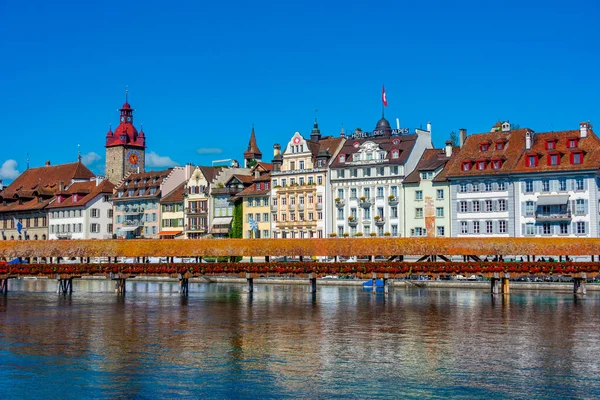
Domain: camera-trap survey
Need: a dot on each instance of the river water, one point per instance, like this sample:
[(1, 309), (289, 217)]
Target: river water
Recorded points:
[(283, 342)]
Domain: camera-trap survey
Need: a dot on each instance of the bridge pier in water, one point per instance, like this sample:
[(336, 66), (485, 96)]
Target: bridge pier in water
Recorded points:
[(313, 283), (4, 285), (500, 284), (579, 284), (250, 281), (65, 285)]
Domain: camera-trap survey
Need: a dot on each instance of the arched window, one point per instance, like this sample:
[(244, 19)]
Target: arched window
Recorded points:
[(395, 154), (44, 236), (35, 237)]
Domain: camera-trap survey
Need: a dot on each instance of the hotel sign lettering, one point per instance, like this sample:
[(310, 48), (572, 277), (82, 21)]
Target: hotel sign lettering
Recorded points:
[(395, 132)]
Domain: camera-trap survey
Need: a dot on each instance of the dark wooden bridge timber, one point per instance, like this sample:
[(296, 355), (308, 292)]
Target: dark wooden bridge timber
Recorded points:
[(434, 257), (498, 272)]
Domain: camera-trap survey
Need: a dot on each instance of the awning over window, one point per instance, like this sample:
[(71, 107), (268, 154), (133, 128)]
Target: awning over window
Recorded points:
[(170, 233), (128, 228), (553, 200), (221, 224)]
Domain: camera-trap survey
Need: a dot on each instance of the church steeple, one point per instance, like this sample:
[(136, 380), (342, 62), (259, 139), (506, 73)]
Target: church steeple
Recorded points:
[(252, 153)]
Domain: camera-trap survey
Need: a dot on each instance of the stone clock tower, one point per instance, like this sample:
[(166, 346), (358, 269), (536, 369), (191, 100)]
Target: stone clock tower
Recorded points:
[(125, 147)]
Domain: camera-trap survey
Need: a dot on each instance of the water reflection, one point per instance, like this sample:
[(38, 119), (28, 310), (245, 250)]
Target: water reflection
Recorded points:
[(283, 341)]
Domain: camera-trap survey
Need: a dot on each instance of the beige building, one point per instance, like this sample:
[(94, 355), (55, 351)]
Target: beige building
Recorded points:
[(172, 214), (427, 210), (300, 186), (196, 201), (256, 200)]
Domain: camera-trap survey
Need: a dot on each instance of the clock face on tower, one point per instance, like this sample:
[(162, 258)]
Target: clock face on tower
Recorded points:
[(133, 157)]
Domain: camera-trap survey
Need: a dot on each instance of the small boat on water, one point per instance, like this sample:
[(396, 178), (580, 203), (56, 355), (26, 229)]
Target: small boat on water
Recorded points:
[(368, 285)]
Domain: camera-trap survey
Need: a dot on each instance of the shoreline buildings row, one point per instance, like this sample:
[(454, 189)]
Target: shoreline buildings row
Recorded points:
[(384, 183)]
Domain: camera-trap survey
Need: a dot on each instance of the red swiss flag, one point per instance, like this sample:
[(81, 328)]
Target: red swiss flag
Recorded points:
[(383, 96)]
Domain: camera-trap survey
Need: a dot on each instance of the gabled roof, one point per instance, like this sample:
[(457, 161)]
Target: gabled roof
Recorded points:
[(210, 173), (405, 144), (252, 191), (175, 196), (138, 181), (85, 191), (431, 160)]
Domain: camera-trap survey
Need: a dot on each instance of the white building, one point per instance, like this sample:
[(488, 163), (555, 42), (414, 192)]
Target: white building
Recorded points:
[(82, 210), (366, 180)]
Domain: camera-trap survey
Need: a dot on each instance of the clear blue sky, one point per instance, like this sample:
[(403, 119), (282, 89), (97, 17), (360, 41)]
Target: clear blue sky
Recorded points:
[(200, 73)]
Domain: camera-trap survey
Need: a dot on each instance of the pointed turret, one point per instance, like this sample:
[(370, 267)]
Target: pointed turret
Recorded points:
[(252, 153), (315, 134)]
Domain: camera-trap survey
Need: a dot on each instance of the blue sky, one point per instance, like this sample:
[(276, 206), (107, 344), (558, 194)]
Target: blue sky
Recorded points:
[(200, 73)]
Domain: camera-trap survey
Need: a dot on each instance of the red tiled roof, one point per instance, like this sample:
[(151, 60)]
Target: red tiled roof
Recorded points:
[(431, 160), (87, 190), (175, 196), (514, 143), (252, 191), (153, 179), (404, 145), (590, 146)]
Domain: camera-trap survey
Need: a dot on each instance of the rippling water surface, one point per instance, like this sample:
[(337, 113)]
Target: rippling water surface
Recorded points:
[(283, 342)]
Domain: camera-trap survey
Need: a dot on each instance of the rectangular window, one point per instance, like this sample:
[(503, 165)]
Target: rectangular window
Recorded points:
[(394, 212), (462, 188), (419, 195), (545, 185), (463, 207), (564, 228), (488, 186), (580, 207), (581, 228), (319, 180), (464, 227), (528, 187), (546, 229), (489, 227), (501, 205), (440, 194), (529, 229), (340, 193), (301, 164), (475, 226), (340, 213), (579, 184), (380, 192), (340, 173), (366, 171), (353, 213), (394, 190), (529, 208), (439, 212), (394, 230), (476, 206), (501, 186), (418, 212), (501, 226), (562, 185), (441, 231), (353, 193), (355, 173), (488, 206)]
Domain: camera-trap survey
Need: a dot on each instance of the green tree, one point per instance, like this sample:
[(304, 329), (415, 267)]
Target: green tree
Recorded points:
[(454, 139)]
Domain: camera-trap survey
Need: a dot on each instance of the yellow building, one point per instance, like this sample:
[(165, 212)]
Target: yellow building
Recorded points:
[(256, 202), (300, 187)]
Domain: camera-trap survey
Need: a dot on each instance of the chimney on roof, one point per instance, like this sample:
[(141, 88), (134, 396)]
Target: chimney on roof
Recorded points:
[(256, 173), (61, 186), (98, 180), (462, 136), (583, 129), (429, 127), (448, 148), (47, 163), (506, 126), (528, 140)]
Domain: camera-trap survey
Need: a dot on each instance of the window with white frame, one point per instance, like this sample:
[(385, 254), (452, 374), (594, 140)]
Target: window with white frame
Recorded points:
[(489, 227), (488, 186), (440, 194), (441, 231), (475, 226), (476, 206), (545, 185), (581, 228), (579, 184), (529, 229), (579, 206), (501, 186), (463, 207), (529, 208), (528, 187), (439, 212), (502, 226), (462, 188), (418, 212), (418, 195), (502, 205), (464, 227), (394, 230), (489, 206)]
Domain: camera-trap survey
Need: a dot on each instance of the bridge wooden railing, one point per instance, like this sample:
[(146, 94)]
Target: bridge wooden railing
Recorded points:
[(301, 247)]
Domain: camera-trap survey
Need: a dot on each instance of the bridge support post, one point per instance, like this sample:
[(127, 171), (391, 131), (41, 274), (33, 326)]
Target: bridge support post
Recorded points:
[(184, 286), (65, 285), (386, 283), (4, 285), (374, 281), (120, 285), (579, 284), (250, 281), (496, 284), (313, 282), (506, 284)]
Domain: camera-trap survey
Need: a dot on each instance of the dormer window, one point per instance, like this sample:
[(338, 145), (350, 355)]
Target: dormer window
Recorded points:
[(484, 146), (342, 158), (481, 165), (577, 158), (572, 143), (396, 141), (553, 158), (500, 146), (532, 160), (466, 165), (550, 144), (496, 164), (395, 154)]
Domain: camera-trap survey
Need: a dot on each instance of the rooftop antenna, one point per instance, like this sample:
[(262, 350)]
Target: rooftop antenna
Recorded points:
[(78, 152), (27, 160)]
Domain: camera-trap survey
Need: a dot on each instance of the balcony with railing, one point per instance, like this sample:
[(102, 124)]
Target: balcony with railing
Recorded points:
[(339, 203), (292, 207), (366, 202), (133, 210), (555, 215), (393, 200), (319, 206), (196, 210), (133, 222), (379, 220), (196, 228), (352, 221), (273, 207)]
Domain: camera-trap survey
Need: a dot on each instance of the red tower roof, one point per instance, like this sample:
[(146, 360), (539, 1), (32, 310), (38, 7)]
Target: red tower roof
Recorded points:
[(125, 133)]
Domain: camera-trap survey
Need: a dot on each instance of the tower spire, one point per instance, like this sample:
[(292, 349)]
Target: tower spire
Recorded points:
[(78, 152)]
